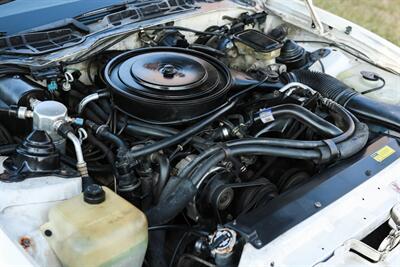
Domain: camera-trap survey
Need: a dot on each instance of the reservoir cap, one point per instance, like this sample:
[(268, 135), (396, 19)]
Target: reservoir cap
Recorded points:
[(94, 194)]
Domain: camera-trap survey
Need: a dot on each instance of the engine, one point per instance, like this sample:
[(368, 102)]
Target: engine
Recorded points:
[(194, 132)]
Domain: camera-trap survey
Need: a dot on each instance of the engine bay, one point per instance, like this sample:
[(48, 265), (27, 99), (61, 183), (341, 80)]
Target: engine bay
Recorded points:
[(181, 138)]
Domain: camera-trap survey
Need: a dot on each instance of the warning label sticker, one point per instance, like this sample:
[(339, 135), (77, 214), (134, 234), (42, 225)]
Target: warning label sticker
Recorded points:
[(383, 153)]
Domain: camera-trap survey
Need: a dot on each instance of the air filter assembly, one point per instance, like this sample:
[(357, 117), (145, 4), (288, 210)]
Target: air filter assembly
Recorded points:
[(166, 85)]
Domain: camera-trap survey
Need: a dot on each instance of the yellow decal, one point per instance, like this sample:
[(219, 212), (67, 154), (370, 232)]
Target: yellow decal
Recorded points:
[(383, 153)]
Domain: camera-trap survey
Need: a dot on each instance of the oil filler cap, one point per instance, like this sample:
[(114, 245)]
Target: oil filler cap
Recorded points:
[(94, 194)]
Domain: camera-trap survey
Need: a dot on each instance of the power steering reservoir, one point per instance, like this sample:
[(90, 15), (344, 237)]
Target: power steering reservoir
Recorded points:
[(97, 228)]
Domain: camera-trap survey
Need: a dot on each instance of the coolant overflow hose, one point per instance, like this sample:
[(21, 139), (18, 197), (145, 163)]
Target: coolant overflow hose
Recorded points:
[(361, 106)]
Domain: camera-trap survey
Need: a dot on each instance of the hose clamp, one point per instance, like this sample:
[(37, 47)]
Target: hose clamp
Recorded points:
[(333, 149), (227, 151)]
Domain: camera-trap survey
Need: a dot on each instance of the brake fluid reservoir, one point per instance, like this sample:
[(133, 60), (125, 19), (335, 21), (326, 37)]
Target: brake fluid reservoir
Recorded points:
[(97, 229)]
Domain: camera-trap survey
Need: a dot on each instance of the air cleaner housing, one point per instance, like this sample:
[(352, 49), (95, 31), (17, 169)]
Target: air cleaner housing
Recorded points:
[(167, 85)]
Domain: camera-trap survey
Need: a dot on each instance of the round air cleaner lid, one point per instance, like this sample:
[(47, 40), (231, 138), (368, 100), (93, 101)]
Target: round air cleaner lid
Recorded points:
[(169, 70), (183, 83)]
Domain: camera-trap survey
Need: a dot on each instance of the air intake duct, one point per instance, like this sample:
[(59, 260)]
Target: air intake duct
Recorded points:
[(363, 107)]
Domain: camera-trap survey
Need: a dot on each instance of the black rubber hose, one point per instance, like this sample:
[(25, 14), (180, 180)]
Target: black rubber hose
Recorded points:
[(97, 110), (135, 130), (7, 149), (89, 114), (172, 203), (164, 170), (376, 112), (160, 128), (146, 189), (104, 133), (155, 251), (82, 88), (345, 116), (108, 153), (92, 105), (350, 146), (170, 206), (105, 105), (134, 127), (109, 136), (176, 139), (303, 115), (361, 106)]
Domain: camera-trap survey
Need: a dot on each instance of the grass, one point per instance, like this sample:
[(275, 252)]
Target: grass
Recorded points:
[(379, 16)]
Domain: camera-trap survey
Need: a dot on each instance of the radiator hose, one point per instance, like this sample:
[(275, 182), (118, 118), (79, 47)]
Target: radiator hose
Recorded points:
[(361, 106)]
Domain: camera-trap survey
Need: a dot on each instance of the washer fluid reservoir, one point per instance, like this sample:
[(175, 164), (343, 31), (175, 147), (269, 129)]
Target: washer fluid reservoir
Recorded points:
[(97, 228)]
